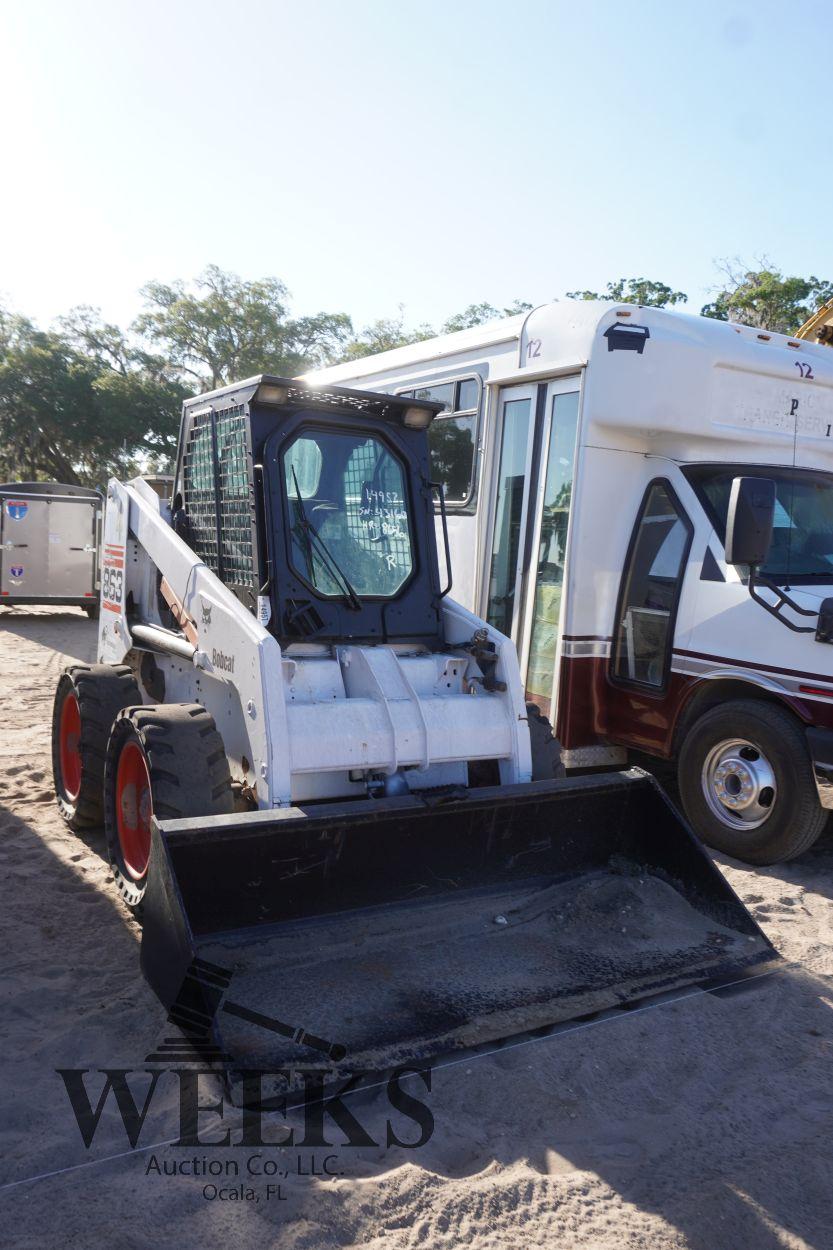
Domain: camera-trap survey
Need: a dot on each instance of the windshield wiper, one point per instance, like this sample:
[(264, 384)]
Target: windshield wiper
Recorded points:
[(328, 559)]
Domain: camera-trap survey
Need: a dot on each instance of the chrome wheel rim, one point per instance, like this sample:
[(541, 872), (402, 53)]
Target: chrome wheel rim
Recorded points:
[(739, 784)]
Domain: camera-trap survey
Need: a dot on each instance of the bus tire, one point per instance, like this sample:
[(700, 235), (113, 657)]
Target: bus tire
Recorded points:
[(546, 752), (167, 761), (746, 782)]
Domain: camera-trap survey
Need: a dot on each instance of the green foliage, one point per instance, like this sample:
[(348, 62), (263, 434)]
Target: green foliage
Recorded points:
[(77, 404), (87, 400), (45, 389), (384, 335), (136, 392), (390, 332), (480, 314), (766, 299), (222, 328), (636, 291)]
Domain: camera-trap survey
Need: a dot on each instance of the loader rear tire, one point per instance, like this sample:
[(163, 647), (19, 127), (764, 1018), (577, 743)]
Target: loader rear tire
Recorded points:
[(166, 761), (87, 701), (546, 752)]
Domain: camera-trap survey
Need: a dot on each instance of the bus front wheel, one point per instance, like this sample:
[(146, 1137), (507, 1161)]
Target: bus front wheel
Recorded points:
[(746, 782)]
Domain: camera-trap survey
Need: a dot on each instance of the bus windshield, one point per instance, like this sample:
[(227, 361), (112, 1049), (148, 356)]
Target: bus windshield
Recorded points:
[(802, 536)]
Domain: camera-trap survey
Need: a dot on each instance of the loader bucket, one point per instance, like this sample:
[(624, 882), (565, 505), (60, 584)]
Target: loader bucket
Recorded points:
[(360, 936)]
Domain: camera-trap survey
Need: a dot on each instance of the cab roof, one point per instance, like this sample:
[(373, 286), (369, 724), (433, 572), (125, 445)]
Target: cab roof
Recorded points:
[(272, 391)]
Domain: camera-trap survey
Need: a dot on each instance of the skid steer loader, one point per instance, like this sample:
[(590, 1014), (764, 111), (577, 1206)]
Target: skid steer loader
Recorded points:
[(347, 834)]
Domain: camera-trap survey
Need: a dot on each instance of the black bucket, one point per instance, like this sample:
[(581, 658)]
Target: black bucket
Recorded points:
[(357, 937)]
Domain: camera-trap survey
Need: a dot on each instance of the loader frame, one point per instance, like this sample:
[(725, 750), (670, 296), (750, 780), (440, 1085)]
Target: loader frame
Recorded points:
[(301, 717)]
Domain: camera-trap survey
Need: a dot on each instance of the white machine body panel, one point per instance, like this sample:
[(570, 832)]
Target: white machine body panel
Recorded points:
[(312, 721)]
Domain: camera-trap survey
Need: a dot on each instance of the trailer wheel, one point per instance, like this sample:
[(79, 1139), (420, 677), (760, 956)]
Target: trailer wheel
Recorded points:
[(747, 785), (546, 752), (165, 760), (87, 701), (93, 610)]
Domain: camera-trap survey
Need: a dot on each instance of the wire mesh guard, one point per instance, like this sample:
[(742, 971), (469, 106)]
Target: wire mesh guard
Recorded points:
[(198, 490), (376, 513), (216, 495), (236, 551)]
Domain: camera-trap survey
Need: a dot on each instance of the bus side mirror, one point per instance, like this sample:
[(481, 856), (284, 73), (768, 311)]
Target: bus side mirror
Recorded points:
[(824, 629), (749, 520)]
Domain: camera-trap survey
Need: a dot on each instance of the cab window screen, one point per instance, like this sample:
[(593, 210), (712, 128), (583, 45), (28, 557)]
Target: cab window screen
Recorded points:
[(199, 490), (234, 502), (651, 590), (354, 523), (216, 496)]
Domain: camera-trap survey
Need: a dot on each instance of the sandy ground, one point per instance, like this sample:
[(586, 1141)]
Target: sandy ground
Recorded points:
[(702, 1123)]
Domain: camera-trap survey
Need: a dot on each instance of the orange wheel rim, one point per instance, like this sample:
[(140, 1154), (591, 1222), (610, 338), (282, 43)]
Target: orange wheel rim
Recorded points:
[(69, 737), (133, 809)]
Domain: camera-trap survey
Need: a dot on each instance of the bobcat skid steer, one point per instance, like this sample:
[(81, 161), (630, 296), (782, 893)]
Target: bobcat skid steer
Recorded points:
[(320, 783)]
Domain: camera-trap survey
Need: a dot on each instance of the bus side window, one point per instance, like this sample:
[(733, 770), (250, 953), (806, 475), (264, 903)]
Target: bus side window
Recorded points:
[(452, 438), (650, 590)]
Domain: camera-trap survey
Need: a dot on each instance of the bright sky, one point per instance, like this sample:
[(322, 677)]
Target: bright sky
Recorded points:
[(431, 153)]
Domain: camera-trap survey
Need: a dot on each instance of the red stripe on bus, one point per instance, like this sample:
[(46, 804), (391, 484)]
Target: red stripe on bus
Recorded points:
[(735, 663)]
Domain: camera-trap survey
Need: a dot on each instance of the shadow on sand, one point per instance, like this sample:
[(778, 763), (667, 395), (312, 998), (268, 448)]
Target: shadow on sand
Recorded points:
[(711, 1113), (66, 630)]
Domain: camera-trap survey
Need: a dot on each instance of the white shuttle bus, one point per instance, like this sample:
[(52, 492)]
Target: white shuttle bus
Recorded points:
[(643, 501)]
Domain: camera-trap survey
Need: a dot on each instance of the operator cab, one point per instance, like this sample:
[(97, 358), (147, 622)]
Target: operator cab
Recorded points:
[(316, 508)]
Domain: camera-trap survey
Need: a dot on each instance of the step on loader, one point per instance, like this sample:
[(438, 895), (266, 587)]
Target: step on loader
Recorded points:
[(350, 840)]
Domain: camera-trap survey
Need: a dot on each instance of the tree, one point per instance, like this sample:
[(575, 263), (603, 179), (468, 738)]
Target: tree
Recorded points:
[(44, 389), (77, 415), (480, 314), (136, 392), (383, 335), (223, 328), (636, 291), (390, 332), (766, 299)]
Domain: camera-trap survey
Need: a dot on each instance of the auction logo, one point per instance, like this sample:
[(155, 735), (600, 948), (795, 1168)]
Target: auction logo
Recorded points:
[(319, 1092)]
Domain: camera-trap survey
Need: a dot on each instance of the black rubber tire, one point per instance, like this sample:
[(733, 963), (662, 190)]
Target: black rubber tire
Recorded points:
[(93, 610), (102, 690), (546, 750), (188, 770), (797, 817)]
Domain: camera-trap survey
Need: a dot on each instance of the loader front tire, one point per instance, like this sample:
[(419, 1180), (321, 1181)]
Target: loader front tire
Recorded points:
[(87, 701), (166, 761)]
